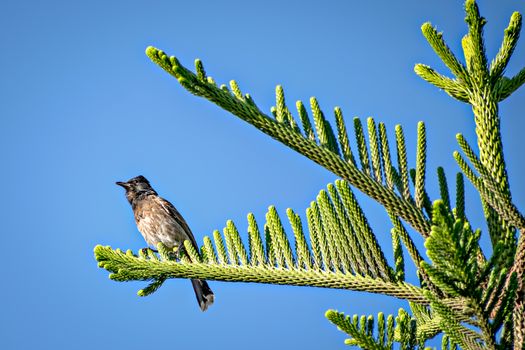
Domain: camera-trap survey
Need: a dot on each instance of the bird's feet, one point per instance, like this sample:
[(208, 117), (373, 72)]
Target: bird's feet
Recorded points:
[(145, 250), (179, 252)]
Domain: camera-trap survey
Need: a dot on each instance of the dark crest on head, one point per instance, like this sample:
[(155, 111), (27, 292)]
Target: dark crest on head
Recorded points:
[(137, 187)]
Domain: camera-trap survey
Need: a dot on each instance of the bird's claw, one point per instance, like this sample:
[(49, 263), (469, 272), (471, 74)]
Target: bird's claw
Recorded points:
[(145, 250), (179, 252)]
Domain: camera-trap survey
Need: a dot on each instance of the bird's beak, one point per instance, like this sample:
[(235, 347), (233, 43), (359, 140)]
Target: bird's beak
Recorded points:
[(122, 184)]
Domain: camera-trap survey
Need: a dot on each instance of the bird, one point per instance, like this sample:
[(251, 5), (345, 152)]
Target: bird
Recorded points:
[(160, 222)]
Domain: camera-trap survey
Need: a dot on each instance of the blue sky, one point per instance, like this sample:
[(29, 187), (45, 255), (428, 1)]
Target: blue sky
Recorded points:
[(83, 107)]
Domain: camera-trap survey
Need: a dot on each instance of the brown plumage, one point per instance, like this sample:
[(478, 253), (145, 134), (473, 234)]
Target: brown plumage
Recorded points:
[(159, 221)]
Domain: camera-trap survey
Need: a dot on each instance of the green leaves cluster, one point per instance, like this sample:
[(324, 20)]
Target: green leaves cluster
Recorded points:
[(475, 301), (400, 329), (452, 247)]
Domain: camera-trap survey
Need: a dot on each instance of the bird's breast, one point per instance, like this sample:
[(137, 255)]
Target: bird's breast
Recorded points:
[(157, 225)]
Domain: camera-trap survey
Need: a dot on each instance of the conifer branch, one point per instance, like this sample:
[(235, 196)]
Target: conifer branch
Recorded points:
[(401, 330), (450, 86), (452, 247), (477, 57), (506, 86), (435, 40), (467, 338), (443, 187), (326, 153), (406, 239), (389, 169), (375, 149), (360, 336), (343, 136), (460, 197), (510, 39), (131, 268), (489, 192), (419, 183), (362, 147), (485, 88), (398, 256), (403, 163), (518, 314)]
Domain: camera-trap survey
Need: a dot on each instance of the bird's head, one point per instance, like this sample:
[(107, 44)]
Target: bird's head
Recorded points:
[(136, 186)]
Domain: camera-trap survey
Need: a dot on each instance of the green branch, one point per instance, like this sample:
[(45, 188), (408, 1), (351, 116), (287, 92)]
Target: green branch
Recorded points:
[(362, 334), (326, 154), (126, 267), (510, 39)]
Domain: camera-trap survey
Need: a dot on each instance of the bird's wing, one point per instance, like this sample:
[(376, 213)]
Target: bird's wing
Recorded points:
[(174, 213)]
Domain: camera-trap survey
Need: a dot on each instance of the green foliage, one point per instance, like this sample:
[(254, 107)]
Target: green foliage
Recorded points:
[(362, 332), (382, 334), (343, 253), (474, 301), (452, 247), (317, 142)]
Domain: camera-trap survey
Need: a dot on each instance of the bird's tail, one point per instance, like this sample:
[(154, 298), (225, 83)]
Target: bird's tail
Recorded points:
[(203, 293)]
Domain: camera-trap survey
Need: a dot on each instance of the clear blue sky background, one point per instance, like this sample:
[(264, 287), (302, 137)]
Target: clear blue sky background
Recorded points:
[(82, 107)]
